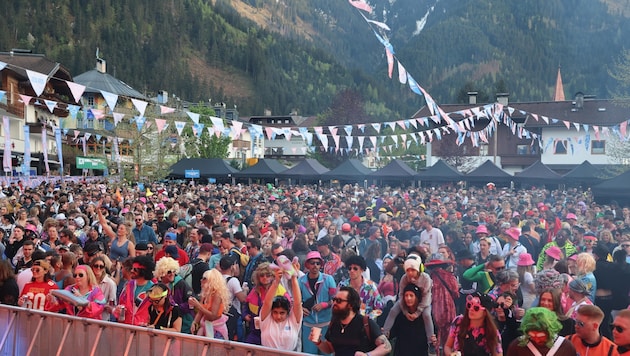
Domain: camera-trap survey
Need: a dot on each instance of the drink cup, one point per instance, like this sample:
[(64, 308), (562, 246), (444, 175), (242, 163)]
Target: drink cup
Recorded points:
[(317, 333), (257, 322)]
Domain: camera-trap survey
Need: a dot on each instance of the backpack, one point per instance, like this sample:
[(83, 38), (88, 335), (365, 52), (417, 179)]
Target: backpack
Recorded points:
[(185, 272)]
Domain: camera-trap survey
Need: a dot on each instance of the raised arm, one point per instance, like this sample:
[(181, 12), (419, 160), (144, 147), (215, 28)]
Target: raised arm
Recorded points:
[(271, 293)]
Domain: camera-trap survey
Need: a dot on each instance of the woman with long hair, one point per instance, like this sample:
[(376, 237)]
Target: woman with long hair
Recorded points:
[(86, 286), (100, 266), (215, 298), (474, 332), (163, 315), (585, 266), (9, 290), (410, 334), (35, 293), (552, 300), (262, 277), (121, 240), (540, 329)]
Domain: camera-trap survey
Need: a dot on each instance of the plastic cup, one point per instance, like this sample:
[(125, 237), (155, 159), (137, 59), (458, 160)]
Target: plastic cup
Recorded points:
[(257, 322), (317, 333)]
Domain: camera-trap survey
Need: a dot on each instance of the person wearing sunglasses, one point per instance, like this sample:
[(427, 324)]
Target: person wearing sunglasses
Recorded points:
[(132, 300), (35, 293), (621, 332), (540, 329), (106, 283), (484, 274), (166, 270), (163, 314), (317, 290), (474, 332), (368, 290), (587, 339), (210, 320), (86, 286)]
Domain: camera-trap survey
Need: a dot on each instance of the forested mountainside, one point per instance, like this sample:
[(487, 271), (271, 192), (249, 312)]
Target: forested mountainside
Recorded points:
[(299, 54)]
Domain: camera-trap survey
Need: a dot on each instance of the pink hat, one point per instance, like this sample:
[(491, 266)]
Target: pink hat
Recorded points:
[(571, 216), (314, 255), (515, 214), (482, 229), (554, 252), (540, 204), (513, 233), (525, 259)]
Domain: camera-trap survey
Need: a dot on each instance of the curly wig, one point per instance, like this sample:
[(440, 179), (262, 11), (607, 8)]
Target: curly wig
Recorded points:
[(164, 265), (540, 319)]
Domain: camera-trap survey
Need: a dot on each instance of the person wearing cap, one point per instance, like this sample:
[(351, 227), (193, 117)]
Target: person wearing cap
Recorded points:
[(525, 270), (563, 242), (133, 296), (367, 289), (35, 294), (142, 249), (409, 334), (238, 225), (332, 261), (143, 232), (444, 294), (317, 290), (369, 215), (170, 242), (414, 275), (513, 248), (166, 271), (578, 292)]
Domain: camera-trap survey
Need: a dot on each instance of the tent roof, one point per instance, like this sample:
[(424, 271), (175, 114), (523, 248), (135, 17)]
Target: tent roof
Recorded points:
[(585, 172), (394, 170), (614, 187), (308, 168), (348, 170), (538, 172), (488, 171), (208, 167), (264, 168), (440, 171)]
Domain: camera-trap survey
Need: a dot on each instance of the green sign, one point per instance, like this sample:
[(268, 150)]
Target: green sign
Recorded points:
[(91, 163)]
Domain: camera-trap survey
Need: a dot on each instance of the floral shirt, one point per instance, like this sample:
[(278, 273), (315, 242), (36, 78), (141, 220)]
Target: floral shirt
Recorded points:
[(478, 334), (332, 263), (370, 297)]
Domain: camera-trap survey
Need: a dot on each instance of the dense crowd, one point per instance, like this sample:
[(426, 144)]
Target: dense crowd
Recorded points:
[(347, 270)]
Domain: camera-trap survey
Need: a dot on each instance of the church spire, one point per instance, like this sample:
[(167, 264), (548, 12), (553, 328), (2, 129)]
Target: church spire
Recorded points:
[(558, 94)]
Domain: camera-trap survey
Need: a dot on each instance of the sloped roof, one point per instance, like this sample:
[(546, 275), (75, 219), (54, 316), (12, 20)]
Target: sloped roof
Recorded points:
[(584, 173), (19, 62), (440, 171), (488, 172), (614, 188), (265, 168), (96, 81), (307, 169), (208, 167), (593, 112), (352, 169), (394, 170), (538, 173)]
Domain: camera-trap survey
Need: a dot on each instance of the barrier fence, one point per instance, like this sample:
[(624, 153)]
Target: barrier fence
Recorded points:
[(30, 332)]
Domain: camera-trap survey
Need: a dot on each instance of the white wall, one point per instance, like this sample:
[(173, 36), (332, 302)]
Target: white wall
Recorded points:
[(579, 147)]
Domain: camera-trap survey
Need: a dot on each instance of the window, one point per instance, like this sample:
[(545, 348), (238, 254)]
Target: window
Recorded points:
[(483, 149), (522, 150), (598, 147), (560, 147), (90, 101)]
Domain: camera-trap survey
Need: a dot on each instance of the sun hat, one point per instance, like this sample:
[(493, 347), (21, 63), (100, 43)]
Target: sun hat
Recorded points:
[(437, 259), (554, 252), (513, 233), (525, 259), (314, 255), (482, 229), (571, 216)]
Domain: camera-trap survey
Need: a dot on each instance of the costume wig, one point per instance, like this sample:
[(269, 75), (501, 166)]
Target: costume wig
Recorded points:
[(540, 319)]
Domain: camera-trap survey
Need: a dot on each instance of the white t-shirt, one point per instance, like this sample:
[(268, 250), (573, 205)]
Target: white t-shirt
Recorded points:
[(433, 239), (281, 336), (234, 286)]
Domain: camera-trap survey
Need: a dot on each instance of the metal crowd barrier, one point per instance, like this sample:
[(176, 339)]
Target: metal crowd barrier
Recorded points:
[(32, 333)]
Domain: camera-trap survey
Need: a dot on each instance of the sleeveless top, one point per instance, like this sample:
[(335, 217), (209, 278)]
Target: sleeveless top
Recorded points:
[(119, 253)]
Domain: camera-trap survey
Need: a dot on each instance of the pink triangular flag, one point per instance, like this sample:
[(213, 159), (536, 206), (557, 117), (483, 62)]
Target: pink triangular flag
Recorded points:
[(166, 110), (26, 99), (159, 124), (76, 89)]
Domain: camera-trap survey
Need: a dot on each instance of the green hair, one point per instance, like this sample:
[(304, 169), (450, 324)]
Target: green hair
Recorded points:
[(540, 319)]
